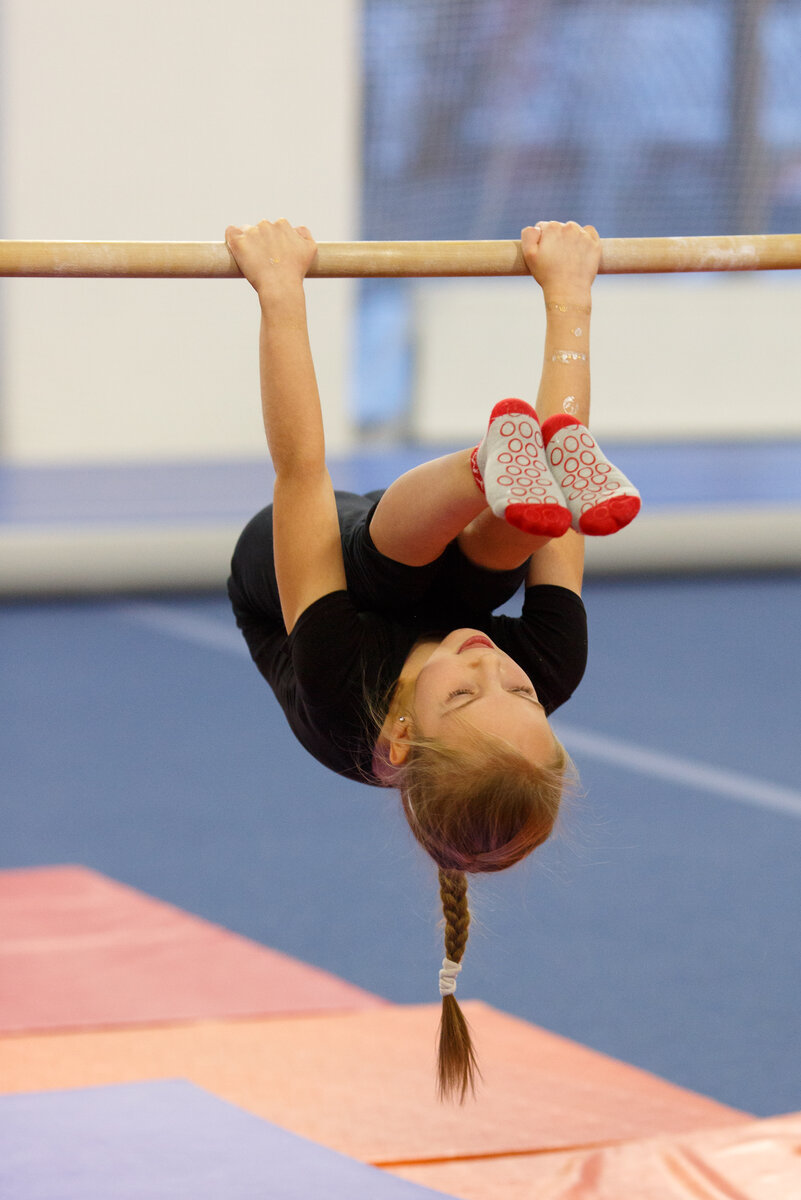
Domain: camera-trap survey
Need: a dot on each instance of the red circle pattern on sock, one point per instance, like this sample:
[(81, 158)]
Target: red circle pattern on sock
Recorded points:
[(582, 477), (526, 475)]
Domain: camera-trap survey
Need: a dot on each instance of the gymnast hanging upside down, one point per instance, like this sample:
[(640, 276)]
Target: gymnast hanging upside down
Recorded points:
[(371, 617)]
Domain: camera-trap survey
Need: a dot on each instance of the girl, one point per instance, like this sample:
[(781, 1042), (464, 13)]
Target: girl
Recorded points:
[(371, 616)]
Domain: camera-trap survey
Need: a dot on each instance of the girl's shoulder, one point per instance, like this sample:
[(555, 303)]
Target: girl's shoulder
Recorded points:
[(548, 640), (335, 647)]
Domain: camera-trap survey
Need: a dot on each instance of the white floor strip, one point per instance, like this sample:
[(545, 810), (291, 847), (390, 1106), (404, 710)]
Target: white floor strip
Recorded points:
[(177, 622), (744, 789), (64, 560), (729, 784)]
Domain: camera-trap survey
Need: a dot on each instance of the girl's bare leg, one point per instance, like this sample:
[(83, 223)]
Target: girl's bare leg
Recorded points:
[(425, 509), (429, 506), (491, 542)]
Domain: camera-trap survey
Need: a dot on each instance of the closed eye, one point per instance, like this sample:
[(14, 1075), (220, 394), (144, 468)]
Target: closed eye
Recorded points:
[(522, 691)]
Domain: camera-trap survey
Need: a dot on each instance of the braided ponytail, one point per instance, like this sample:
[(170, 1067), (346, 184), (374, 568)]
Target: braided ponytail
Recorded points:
[(473, 810), (456, 1064)]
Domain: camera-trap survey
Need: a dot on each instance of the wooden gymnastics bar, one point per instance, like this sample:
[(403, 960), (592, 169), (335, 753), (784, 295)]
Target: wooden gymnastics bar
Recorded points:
[(212, 260)]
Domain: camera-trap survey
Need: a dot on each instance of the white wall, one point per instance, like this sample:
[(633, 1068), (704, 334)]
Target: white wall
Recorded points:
[(166, 120), (672, 357)]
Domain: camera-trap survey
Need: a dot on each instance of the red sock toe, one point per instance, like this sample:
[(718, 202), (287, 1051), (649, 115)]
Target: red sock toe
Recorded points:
[(610, 515), (542, 520)]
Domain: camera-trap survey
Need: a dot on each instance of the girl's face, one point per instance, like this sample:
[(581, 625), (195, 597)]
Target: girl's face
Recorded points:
[(467, 684)]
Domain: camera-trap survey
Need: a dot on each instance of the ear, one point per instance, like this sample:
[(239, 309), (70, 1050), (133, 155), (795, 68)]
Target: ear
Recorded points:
[(399, 743)]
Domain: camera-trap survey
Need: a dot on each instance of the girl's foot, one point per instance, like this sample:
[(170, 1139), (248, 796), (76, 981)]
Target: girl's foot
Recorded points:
[(511, 469), (600, 497)]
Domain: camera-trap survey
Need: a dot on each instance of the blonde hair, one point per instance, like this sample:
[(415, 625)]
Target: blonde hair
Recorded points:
[(473, 809), (476, 810)]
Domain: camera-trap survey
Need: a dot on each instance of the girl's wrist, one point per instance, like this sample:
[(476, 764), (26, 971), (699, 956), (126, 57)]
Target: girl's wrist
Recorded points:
[(277, 294), (566, 298), (567, 294)]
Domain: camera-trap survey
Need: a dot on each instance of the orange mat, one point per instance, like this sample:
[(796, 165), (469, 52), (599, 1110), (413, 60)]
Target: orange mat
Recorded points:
[(362, 1083), (79, 950), (757, 1161)]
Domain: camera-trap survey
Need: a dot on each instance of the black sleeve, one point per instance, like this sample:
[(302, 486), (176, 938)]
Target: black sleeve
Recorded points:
[(325, 642), (253, 592), (548, 640), (325, 647)]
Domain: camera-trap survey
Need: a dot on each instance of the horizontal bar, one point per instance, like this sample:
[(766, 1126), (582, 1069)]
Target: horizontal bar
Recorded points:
[(212, 260)]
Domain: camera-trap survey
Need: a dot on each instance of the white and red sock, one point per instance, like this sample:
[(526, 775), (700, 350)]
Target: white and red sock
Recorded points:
[(511, 469), (600, 497)]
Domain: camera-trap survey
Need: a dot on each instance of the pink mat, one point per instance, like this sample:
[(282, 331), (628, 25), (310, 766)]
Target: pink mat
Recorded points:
[(757, 1161), (363, 1082), (78, 950)]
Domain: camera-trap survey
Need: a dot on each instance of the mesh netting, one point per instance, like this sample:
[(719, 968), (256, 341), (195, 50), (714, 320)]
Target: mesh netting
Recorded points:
[(642, 117)]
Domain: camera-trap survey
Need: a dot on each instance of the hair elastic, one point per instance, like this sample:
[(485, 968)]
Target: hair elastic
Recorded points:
[(447, 977)]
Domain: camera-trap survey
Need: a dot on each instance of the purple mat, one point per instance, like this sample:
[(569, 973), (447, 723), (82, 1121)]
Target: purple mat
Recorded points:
[(169, 1140)]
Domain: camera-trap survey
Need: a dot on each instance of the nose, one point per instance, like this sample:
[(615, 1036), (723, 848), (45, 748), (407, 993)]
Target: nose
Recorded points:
[(487, 665)]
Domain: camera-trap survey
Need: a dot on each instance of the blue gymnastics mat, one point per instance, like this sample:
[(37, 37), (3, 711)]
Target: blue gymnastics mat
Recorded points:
[(169, 1140)]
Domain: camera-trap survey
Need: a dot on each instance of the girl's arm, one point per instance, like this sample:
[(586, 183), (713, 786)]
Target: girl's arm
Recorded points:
[(307, 548), (564, 260)]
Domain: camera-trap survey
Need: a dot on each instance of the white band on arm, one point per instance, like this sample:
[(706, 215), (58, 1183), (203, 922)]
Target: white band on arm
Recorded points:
[(447, 977)]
